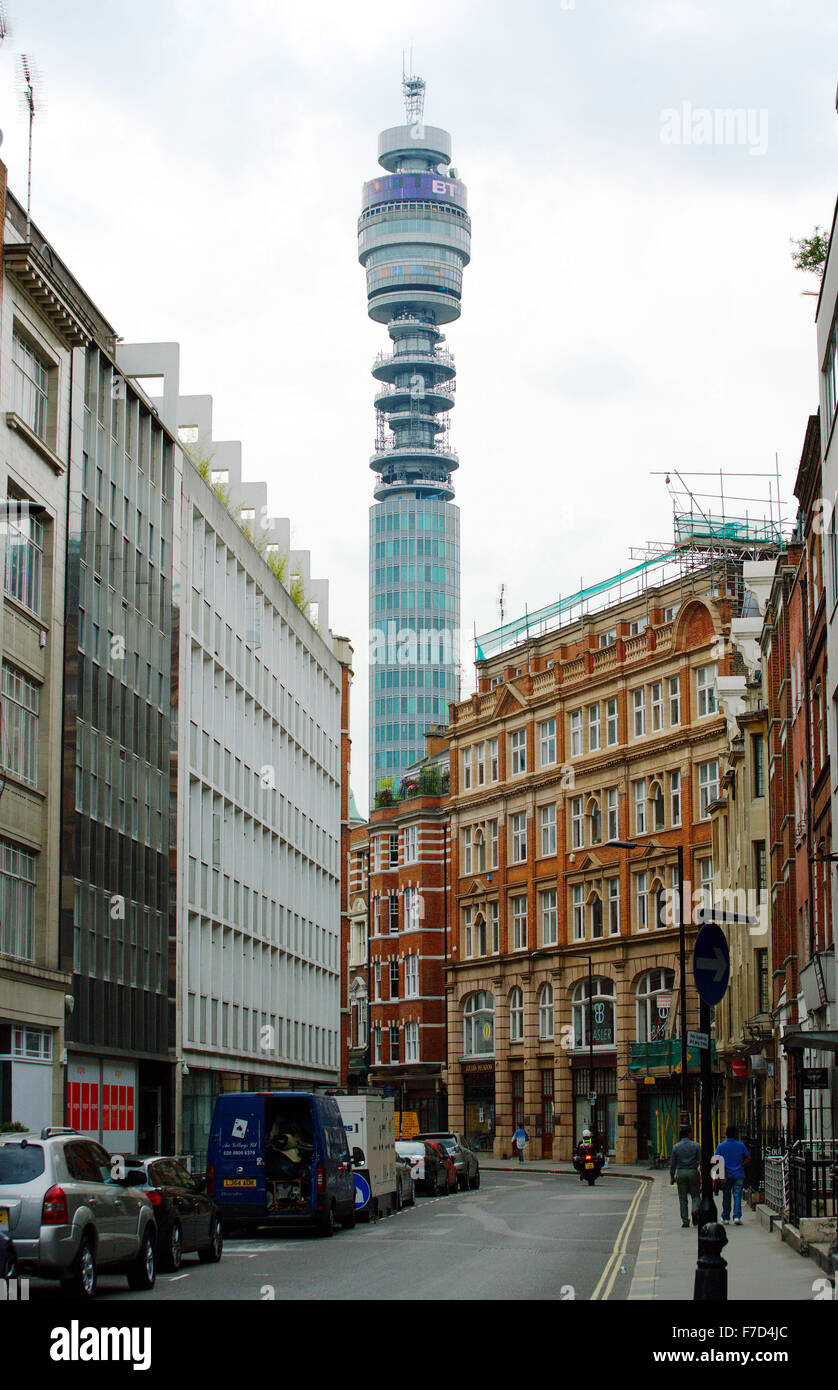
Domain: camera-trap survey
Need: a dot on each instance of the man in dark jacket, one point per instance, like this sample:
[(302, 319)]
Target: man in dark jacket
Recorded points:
[(685, 1172)]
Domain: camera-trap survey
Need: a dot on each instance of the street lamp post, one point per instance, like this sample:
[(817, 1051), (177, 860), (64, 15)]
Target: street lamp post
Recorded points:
[(591, 1091)]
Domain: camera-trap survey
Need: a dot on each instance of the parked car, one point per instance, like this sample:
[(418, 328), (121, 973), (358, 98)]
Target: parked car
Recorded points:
[(447, 1163), (427, 1166), (280, 1158), (187, 1219), (69, 1216), (405, 1191), (465, 1159)]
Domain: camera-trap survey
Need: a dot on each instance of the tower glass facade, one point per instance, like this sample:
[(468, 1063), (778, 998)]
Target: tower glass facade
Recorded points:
[(414, 240)]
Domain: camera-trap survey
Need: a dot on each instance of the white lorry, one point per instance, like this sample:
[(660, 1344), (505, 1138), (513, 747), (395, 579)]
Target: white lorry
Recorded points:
[(370, 1124)]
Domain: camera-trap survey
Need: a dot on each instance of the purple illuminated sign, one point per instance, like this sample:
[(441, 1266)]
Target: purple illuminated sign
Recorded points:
[(422, 187)]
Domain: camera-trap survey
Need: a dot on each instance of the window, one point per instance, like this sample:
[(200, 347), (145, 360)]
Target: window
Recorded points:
[(479, 849), (641, 902), (758, 757), (411, 844), (494, 767), (376, 981), (547, 730), (549, 917), (548, 830), (480, 935), (468, 932), (595, 916), (468, 840), (594, 742), (411, 909), (516, 1015), (595, 815), (637, 626), (519, 837), (576, 734), (760, 872), (578, 901), (640, 806), (24, 555), (657, 706), (613, 906), (479, 1025), (17, 902), (611, 722), (592, 1008), (494, 913), (518, 751), (639, 701), (20, 725), (545, 1011), (394, 1044), (708, 786), (653, 1004), (705, 884), (480, 753), (612, 812), (394, 979), (411, 1042), (494, 850), (577, 823), (675, 797), (393, 903), (32, 1044), (658, 807), (519, 922), (467, 769), (394, 850), (607, 639), (674, 700), (31, 385), (763, 988), (376, 1046), (705, 678)]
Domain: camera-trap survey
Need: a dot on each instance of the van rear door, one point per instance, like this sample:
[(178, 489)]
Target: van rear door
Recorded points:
[(240, 1153)]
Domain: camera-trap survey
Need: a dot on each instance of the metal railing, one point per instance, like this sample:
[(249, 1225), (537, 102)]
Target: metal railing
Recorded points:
[(812, 1179)]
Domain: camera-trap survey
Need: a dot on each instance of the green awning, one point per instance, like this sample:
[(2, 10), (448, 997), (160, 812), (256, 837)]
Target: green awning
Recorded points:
[(666, 1054)]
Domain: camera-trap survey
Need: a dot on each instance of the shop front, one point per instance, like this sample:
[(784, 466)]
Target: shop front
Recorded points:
[(479, 1105), (595, 1104)]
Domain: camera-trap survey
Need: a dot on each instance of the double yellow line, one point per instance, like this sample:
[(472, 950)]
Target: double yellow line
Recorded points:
[(609, 1274)]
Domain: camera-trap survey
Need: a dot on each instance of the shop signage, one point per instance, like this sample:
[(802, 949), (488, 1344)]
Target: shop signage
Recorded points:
[(698, 1040), (815, 1078)]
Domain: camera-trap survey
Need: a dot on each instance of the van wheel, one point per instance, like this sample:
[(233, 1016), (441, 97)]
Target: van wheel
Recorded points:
[(328, 1222), (476, 1182), (348, 1221), (142, 1271), (82, 1282)]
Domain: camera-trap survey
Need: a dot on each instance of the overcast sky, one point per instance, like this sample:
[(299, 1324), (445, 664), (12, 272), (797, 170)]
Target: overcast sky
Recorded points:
[(631, 304)]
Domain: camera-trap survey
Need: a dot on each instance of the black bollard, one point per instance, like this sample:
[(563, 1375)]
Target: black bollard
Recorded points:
[(711, 1269)]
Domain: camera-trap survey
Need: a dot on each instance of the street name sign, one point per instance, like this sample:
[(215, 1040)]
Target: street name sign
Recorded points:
[(698, 1040)]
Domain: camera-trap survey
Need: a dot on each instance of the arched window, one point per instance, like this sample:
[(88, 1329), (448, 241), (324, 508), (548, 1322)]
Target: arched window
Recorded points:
[(659, 906), (516, 1015), (601, 1004), (479, 1024), (658, 806), (595, 913), (480, 934), (595, 821), (654, 1001), (545, 1011)]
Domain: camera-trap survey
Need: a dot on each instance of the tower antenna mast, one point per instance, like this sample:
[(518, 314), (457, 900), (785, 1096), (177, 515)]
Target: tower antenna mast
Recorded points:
[(28, 83), (413, 88)]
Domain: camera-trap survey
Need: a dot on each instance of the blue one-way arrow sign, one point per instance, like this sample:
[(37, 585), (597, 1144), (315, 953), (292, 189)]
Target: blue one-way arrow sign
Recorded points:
[(711, 963)]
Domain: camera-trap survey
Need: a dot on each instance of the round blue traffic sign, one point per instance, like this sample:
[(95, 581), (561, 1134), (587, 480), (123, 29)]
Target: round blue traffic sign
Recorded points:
[(711, 963), (362, 1191)]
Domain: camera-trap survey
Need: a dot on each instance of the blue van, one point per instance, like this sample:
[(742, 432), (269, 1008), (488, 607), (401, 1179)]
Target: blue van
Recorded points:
[(280, 1158)]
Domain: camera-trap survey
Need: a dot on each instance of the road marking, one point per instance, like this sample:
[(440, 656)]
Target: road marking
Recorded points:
[(609, 1274), (175, 1277)]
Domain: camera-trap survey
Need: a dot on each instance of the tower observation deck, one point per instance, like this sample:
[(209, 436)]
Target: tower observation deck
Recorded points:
[(414, 240)]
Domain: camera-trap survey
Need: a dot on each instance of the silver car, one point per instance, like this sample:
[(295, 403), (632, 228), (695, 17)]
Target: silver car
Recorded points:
[(71, 1209)]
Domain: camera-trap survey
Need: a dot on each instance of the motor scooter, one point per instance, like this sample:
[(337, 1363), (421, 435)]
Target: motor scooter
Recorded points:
[(588, 1163)]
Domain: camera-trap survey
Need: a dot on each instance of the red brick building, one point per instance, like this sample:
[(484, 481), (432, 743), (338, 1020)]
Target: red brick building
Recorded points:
[(398, 892)]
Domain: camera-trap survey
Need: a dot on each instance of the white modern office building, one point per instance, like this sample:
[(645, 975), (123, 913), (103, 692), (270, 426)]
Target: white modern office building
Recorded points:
[(258, 789)]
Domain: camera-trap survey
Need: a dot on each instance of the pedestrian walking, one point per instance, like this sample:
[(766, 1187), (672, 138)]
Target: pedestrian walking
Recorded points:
[(519, 1139), (736, 1158), (684, 1172)]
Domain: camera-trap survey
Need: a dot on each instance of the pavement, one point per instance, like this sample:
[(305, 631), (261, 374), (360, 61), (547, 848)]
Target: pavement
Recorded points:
[(760, 1265)]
